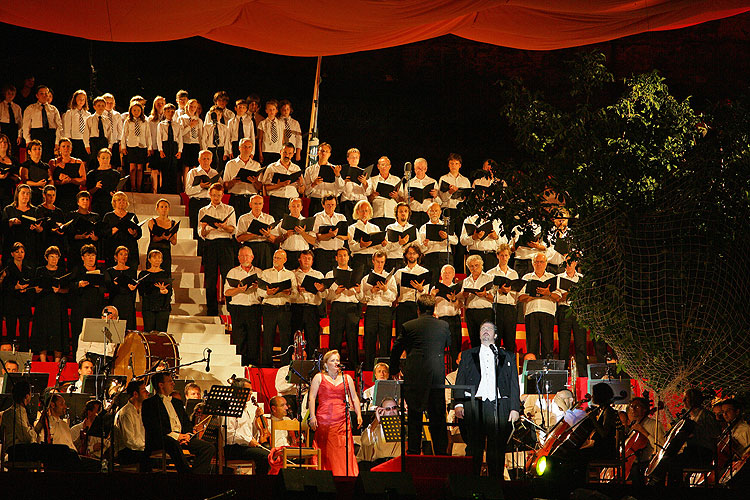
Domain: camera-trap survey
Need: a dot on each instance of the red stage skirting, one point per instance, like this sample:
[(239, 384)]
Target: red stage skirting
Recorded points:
[(70, 372)]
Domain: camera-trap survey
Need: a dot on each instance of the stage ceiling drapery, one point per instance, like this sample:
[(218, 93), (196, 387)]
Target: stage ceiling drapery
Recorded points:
[(329, 27)]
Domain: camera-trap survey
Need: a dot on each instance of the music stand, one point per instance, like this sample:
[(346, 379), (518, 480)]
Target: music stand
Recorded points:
[(103, 331), (545, 382), (542, 364), (37, 381), (301, 366), (97, 384), (76, 403), (619, 386), (226, 401), (386, 389), (391, 428)]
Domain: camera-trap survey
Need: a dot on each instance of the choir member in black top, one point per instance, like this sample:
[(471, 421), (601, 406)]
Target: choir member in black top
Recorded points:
[(17, 296), (49, 331), (120, 228), (121, 287), (102, 182), (52, 233), (9, 169), (34, 172), (68, 174), (156, 294), (86, 292), (160, 239), (19, 220), (84, 229)]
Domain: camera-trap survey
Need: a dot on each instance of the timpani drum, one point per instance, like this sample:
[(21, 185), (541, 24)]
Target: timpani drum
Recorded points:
[(142, 352)]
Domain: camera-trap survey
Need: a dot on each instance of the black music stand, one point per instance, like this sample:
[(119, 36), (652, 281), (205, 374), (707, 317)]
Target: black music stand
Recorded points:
[(545, 382), (226, 401), (37, 381), (386, 389), (301, 366)]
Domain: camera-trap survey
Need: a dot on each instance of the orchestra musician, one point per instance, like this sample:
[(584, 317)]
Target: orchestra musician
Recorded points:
[(247, 434), (639, 421)]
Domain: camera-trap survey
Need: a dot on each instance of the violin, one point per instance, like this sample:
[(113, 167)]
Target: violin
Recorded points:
[(260, 421)]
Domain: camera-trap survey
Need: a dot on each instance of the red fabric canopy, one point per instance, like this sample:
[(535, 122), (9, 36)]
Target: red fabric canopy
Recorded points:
[(328, 27)]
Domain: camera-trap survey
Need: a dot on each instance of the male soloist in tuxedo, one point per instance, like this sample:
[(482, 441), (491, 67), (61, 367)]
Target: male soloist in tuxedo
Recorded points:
[(482, 367), (425, 340), (168, 427)]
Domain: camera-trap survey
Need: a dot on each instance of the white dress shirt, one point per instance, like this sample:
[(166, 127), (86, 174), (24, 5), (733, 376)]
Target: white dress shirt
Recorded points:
[(221, 212), (558, 292), (324, 188), (504, 298), (242, 430), (115, 120), (382, 207), (244, 223), (435, 246), (268, 145), (524, 252), (248, 297), (174, 420), (71, 121), (372, 297), (291, 128), (487, 388), (305, 297), (368, 228), (17, 114), (474, 301), (208, 137), (231, 169), (407, 294), (416, 182), (539, 304), (129, 430), (444, 307), (162, 134), (323, 219), (348, 295), (394, 250), (197, 191), (248, 129), (459, 181), (485, 244), (272, 275), (192, 134), (289, 191), (227, 115), (60, 432), (294, 243), (131, 139), (32, 118), (92, 129)]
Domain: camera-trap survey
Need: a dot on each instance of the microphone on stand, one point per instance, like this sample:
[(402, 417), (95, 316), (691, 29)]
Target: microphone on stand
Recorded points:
[(407, 170), (208, 360)]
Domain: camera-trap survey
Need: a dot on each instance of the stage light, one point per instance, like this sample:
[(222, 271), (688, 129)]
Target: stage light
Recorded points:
[(541, 466)]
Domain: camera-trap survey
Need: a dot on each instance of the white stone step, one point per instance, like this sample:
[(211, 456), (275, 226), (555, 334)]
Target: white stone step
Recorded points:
[(219, 359), (186, 264), (194, 320), (184, 296), (151, 199), (217, 376), (184, 246), (184, 233), (195, 309), (184, 220), (192, 332), (149, 209), (187, 280), (213, 336), (218, 349)]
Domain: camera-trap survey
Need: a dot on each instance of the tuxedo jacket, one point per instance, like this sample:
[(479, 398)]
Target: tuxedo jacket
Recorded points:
[(156, 421), (470, 373)]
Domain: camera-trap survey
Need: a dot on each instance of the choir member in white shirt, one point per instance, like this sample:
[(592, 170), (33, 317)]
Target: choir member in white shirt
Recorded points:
[(378, 299), (395, 249), (329, 241), (192, 136), (181, 100), (555, 258), (315, 186), (11, 118), (241, 127), (224, 114), (506, 310), (239, 190), (276, 309), (245, 438), (292, 130), (129, 433), (306, 304), (437, 252), (154, 159), (270, 135), (198, 193), (483, 243), (244, 308), (526, 242), (345, 311), (354, 189), (477, 295), (486, 176), (261, 239), (217, 244), (420, 180), (293, 241), (42, 121), (74, 122), (135, 142), (115, 120), (383, 208), (567, 322), (448, 308), (281, 192), (216, 139), (362, 250), (454, 181), (98, 133), (166, 176), (408, 293), (540, 310)]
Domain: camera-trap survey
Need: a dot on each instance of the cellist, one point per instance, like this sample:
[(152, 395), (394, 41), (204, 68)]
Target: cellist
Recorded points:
[(640, 423)]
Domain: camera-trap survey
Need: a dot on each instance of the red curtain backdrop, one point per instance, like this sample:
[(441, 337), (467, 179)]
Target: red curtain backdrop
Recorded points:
[(328, 27)]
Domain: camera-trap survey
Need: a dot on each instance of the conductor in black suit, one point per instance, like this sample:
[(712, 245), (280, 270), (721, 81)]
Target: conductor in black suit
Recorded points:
[(488, 418), (425, 340), (168, 428)]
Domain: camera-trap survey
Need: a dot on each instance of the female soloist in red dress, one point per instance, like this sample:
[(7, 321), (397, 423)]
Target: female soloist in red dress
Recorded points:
[(328, 419)]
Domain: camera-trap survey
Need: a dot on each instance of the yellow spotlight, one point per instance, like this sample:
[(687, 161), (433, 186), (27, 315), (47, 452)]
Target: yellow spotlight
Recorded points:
[(541, 466)]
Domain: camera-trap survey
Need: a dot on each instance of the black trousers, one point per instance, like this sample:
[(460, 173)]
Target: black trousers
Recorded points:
[(256, 454), (454, 324), (419, 219), (540, 324), (487, 427), (405, 311), (262, 253), (361, 263), (325, 260), (47, 138), (567, 323), (434, 262), (202, 450), (17, 328), (306, 318), (391, 264), (523, 267), (474, 320), (315, 206), (344, 320), (155, 321), (378, 332), (194, 205), (217, 162), (347, 208), (79, 149), (278, 207), (54, 456), (506, 323), (241, 204), (275, 317), (126, 456), (435, 414), (217, 258), (292, 259), (246, 330), (270, 157)]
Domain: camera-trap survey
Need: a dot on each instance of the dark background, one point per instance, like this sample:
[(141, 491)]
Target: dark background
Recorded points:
[(424, 99)]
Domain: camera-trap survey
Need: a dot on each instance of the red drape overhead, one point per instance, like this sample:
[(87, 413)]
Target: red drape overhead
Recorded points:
[(328, 27)]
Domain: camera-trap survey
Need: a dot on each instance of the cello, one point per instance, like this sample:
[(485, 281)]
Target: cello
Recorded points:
[(676, 437), (554, 437)]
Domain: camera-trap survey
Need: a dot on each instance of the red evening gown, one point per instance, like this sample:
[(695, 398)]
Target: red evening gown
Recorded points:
[(329, 437)]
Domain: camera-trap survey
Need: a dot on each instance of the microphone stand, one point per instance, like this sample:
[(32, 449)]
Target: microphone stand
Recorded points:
[(497, 411), (348, 417)]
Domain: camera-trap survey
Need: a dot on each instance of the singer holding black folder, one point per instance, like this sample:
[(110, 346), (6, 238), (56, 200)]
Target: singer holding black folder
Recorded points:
[(345, 307), (155, 288), (163, 233), (217, 223), (306, 302), (505, 299), (86, 292), (283, 181), (540, 308), (378, 291), (242, 289), (197, 182), (322, 179), (413, 281), (120, 280), (254, 231), (276, 310), (362, 248), (19, 228), (121, 228), (331, 232), (477, 296), (49, 328)]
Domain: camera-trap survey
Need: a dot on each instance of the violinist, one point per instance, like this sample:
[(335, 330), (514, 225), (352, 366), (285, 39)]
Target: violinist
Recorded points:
[(247, 434), (130, 435), (87, 444), (639, 422)]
